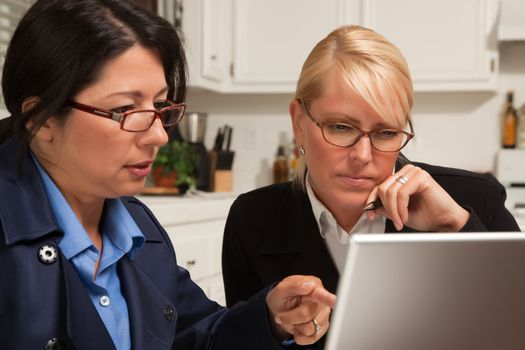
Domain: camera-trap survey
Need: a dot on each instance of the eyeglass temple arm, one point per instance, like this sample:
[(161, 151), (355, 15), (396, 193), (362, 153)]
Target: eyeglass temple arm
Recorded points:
[(303, 104), (100, 112)]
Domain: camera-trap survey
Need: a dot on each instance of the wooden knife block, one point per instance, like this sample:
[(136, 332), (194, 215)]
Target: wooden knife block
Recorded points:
[(221, 178), (223, 181)]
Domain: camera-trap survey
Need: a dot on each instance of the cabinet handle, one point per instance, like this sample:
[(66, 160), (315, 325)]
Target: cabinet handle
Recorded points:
[(213, 57), (191, 262)]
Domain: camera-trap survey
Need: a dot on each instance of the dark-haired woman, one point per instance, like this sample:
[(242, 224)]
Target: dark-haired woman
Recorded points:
[(91, 86)]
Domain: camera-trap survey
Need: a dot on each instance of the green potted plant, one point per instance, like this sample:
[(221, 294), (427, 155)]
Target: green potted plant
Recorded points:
[(174, 166)]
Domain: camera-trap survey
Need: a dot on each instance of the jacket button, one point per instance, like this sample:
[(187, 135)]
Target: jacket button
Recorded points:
[(55, 344), (169, 313), (47, 254)]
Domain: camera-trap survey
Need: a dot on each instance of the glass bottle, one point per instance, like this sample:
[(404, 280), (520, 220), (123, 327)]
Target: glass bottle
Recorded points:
[(510, 123), (280, 166)]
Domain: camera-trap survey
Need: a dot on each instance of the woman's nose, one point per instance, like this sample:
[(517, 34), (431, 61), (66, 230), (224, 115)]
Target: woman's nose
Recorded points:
[(157, 134), (362, 150)]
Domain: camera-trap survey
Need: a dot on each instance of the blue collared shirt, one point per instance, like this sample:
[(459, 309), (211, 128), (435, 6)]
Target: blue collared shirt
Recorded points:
[(120, 235)]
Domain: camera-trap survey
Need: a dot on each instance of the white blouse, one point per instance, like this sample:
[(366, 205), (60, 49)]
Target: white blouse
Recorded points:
[(335, 237)]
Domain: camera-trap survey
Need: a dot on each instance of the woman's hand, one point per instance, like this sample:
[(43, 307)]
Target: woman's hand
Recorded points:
[(300, 306), (413, 198)]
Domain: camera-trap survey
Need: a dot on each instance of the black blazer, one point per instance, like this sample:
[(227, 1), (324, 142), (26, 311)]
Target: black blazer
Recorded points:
[(272, 233)]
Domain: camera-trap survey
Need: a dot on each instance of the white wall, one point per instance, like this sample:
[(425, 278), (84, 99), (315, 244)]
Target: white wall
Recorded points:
[(453, 129)]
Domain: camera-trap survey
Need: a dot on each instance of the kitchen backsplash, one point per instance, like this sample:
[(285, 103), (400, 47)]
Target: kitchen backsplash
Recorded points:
[(453, 129)]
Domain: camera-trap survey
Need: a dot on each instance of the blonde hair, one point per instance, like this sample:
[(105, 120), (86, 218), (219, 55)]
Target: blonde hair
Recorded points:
[(372, 67)]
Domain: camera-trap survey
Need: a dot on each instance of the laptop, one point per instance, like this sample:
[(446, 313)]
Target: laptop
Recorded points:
[(431, 291)]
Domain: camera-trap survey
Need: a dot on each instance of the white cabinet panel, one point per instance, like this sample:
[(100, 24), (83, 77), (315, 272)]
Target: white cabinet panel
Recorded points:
[(448, 44), (215, 59), (512, 22), (272, 38), (196, 247)]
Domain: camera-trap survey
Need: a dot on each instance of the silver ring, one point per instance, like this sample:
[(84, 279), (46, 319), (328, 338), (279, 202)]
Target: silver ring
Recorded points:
[(402, 180), (318, 328)]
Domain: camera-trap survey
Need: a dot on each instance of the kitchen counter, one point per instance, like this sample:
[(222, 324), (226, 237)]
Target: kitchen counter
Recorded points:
[(195, 224), (196, 207)]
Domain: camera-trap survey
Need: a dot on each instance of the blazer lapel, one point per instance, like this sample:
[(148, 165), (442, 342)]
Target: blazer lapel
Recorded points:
[(152, 315), (295, 237), (85, 327), (151, 327)]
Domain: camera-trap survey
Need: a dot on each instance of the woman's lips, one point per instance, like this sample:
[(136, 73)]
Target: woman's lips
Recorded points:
[(357, 181), (140, 169)]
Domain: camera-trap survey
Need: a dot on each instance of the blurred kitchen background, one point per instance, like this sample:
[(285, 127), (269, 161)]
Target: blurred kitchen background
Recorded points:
[(465, 57), (245, 56)]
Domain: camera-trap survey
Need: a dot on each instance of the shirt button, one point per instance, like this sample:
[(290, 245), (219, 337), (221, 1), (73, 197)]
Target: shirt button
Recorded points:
[(104, 300)]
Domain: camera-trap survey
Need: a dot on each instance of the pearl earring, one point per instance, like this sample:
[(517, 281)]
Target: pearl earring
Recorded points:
[(301, 149)]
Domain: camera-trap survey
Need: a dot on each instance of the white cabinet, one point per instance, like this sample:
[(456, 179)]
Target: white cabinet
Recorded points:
[(195, 226), (272, 38), (207, 28), (512, 21), (260, 46), (253, 45), (449, 44)]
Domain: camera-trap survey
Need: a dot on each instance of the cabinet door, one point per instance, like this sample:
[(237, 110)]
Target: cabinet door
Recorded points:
[(272, 38), (449, 44), (197, 246), (215, 57), (206, 26)]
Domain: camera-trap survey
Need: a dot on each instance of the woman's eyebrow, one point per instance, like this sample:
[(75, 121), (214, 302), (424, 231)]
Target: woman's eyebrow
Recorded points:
[(342, 117), (136, 93)]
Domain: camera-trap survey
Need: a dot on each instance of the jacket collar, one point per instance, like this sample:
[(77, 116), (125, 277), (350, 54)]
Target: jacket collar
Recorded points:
[(28, 214)]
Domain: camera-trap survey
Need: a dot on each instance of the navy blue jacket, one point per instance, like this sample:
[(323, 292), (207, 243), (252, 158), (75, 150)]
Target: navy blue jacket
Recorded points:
[(45, 304)]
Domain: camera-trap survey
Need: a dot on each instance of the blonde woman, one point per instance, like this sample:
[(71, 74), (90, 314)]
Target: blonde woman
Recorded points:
[(351, 119)]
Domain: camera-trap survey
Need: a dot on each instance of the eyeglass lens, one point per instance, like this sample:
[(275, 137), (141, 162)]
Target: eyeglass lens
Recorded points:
[(346, 135), (138, 121)]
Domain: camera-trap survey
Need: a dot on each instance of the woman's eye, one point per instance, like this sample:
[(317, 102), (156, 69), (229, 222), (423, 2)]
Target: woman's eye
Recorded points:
[(386, 133), (122, 109), (340, 128), (161, 104)]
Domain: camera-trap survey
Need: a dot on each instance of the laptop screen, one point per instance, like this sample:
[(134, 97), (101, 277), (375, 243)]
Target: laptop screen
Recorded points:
[(431, 291)]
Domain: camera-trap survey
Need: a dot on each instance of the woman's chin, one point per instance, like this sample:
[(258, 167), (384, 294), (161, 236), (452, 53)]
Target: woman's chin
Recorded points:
[(346, 201), (132, 189)]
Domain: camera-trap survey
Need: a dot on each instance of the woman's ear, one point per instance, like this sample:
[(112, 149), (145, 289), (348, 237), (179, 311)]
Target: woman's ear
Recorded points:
[(29, 103), (296, 113), (43, 133)]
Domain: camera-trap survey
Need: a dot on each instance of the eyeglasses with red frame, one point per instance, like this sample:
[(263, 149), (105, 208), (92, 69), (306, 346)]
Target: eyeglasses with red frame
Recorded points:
[(136, 120)]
